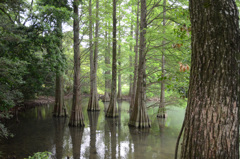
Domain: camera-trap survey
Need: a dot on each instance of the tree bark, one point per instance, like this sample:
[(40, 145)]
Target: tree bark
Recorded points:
[(112, 110), (135, 62), (139, 117), (76, 118), (161, 111), (93, 99), (211, 127)]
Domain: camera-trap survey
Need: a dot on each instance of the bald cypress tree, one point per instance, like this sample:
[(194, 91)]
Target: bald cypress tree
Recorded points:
[(112, 108), (211, 125), (139, 117), (76, 118)]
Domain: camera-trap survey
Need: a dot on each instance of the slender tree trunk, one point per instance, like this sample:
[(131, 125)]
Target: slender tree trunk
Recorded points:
[(161, 111), (59, 109), (76, 118), (106, 97), (119, 95), (131, 65), (93, 99), (139, 117), (211, 127), (133, 95), (112, 109)]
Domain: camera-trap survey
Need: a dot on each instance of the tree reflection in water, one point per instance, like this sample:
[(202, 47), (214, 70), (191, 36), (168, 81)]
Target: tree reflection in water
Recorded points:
[(76, 135), (139, 138), (93, 120), (59, 126)]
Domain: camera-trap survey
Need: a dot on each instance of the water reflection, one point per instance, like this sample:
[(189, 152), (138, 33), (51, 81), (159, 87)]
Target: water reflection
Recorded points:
[(59, 126), (102, 137), (139, 138), (93, 120), (76, 135)]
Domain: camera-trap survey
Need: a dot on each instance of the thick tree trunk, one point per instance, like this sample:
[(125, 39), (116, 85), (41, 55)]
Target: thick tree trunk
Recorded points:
[(59, 109), (211, 127), (93, 99), (134, 87), (161, 111), (112, 109), (76, 118), (139, 117)]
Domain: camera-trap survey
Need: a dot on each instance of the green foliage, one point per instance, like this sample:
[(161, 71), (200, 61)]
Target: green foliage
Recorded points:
[(4, 133), (40, 155), (11, 81)]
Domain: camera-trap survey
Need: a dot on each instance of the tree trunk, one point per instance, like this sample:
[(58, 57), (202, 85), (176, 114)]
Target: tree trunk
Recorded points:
[(211, 127), (93, 99), (161, 111), (133, 95), (76, 118), (106, 97), (119, 95), (59, 109), (131, 65), (139, 117), (112, 110)]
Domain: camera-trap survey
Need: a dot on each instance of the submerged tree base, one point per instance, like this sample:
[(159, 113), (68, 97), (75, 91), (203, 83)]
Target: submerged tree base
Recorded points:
[(76, 119), (137, 124)]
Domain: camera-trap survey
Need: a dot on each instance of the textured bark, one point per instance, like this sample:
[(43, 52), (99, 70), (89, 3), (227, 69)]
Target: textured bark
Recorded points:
[(59, 109), (211, 127), (76, 135), (93, 99), (93, 120), (112, 109), (139, 117), (106, 97), (76, 118), (134, 87), (161, 111)]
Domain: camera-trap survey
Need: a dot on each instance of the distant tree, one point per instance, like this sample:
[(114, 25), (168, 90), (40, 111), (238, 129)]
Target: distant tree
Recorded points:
[(211, 124), (93, 99), (161, 111), (76, 118), (134, 87)]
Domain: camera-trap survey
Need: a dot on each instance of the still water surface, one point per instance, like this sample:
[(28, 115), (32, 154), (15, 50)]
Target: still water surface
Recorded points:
[(101, 137)]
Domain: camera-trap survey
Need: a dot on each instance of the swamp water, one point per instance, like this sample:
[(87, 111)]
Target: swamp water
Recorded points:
[(101, 137)]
